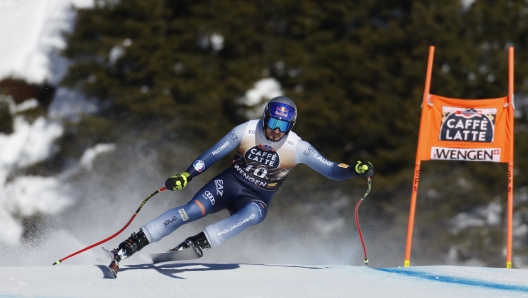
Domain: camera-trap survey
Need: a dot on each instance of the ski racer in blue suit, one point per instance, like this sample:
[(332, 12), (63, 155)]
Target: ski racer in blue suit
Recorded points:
[(266, 152)]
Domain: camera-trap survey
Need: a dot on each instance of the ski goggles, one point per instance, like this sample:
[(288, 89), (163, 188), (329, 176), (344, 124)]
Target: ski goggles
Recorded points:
[(274, 123)]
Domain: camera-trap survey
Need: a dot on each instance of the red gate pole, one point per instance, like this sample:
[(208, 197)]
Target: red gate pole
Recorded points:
[(416, 178)]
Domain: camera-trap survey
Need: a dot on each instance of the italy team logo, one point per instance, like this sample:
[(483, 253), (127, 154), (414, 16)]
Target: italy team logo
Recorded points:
[(199, 165)]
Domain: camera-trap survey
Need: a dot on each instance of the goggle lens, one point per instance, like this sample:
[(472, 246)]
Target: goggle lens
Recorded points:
[(282, 125)]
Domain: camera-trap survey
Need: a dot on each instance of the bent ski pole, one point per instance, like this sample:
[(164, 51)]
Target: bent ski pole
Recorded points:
[(118, 232), (357, 220)]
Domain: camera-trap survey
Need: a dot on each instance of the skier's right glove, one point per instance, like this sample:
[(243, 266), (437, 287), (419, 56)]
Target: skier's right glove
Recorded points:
[(178, 182), (364, 168)]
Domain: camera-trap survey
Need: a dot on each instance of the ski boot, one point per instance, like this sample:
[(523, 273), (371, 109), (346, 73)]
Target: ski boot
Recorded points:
[(133, 244), (197, 242)]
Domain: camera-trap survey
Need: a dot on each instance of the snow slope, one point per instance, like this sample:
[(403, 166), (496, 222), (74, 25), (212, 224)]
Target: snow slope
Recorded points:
[(31, 34), (260, 280), (31, 37)]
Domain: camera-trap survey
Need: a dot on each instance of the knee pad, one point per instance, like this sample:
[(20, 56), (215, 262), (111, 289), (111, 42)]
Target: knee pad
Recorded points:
[(260, 208)]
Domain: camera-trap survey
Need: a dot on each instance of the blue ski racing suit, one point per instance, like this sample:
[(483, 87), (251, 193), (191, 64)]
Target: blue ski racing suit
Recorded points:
[(258, 169)]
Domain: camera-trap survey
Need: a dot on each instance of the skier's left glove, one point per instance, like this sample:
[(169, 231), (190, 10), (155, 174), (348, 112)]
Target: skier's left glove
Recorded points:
[(364, 168), (178, 182)]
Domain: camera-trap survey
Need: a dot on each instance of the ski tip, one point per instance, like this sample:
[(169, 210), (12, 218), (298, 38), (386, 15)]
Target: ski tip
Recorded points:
[(57, 262), (111, 273)]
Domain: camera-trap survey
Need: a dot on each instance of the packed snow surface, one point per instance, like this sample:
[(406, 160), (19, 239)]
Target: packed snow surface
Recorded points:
[(218, 280)]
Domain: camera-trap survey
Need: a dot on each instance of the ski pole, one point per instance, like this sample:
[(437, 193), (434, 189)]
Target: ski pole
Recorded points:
[(118, 232), (357, 220)]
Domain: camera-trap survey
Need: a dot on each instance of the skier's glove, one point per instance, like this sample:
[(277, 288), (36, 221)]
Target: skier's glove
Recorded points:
[(178, 182), (364, 168)]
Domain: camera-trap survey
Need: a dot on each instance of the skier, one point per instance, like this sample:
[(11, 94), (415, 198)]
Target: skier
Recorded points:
[(266, 152)]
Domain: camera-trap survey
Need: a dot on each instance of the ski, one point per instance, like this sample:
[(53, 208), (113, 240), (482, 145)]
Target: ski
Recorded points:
[(191, 253), (112, 267)]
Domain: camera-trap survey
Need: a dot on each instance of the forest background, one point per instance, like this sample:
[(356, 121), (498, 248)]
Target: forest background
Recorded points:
[(170, 78)]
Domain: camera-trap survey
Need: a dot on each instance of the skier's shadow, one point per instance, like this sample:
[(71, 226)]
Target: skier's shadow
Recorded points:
[(290, 266), (172, 269)]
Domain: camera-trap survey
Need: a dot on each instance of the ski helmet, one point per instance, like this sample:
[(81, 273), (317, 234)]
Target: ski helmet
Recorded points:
[(281, 113)]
